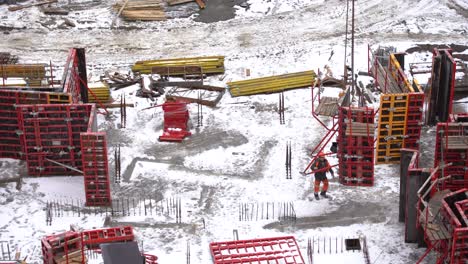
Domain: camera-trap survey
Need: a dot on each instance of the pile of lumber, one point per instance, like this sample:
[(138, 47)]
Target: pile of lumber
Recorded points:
[(200, 3), (272, 84), (145, 10), (209, 65)]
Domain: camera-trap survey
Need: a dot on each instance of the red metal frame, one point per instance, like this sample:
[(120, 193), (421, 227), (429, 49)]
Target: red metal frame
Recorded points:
[(263, 250), (331, 131), (414, 121), (356, 152), (58, 245), (92, 238), (52, 132), (70, 79), (458, 157), (176, 118), (95, 169)]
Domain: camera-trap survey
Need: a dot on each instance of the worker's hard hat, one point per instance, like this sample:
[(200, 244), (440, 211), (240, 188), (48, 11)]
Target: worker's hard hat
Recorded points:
[(321, 154)]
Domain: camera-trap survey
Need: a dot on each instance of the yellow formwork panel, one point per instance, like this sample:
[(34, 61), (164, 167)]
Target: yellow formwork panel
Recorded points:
[(398, 74), (58, 98), (272, 84), (209, 64), (391, 127)]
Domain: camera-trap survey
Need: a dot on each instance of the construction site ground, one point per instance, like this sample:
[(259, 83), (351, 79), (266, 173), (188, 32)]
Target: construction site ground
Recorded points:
[(238, 156)]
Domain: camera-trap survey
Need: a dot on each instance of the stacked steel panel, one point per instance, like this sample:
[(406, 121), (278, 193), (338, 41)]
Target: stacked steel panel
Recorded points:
[(454, 221), (95, 170), (50, 134), (10, 143), (92, 238), (263, 250), (356, 146), (414, 118), (452, 147), (176, 118)]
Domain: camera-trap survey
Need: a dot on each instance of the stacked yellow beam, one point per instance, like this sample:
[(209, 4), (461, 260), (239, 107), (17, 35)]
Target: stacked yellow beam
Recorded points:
[(272, 84), (31, 71), (99, 91), (209, 65)]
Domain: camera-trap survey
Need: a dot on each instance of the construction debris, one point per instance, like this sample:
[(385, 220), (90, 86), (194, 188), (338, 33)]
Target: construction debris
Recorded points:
[(49, 10), (118, 80), (201, 94), (272, 84), (7, 58), (209, 65), (19, 7), (148, 10)]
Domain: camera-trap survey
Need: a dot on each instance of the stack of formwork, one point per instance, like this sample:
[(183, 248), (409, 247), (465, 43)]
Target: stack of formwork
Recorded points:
[(209, 64), (452, 147), (98, 92), (32, 74), (356, 146), (64, 248), (272, 84), (145, 10), (92, 238), (176, 118), (95, 169), (391, 127)]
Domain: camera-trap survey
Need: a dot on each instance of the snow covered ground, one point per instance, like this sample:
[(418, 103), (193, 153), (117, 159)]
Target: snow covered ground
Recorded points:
[(238, 155)]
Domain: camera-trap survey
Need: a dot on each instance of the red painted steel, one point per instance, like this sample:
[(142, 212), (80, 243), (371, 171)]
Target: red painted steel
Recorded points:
[(52, 132), (95, 169), (92, 238), (176, 118), (414, 121), (10, 141), (58, 246), (263, 250), (356, 152), (458, 157), (70, 78)]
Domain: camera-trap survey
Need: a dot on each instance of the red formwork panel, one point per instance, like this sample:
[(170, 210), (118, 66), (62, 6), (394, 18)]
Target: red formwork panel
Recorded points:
[(58, 248), (264, 250), (71, 79), (457, 156), (356, 150), (50, 136), (95, 169), (414, 121), (92, 238), (10, 143), (176, 118), (457, 249)]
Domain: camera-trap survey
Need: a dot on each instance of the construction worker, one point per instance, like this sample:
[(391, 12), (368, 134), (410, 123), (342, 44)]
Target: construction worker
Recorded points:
[(321, 166)]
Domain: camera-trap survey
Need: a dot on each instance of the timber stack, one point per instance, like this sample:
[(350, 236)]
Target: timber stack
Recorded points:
[(145, 10)]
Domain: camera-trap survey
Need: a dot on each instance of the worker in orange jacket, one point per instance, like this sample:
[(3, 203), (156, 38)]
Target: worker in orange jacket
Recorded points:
[(321, 166)]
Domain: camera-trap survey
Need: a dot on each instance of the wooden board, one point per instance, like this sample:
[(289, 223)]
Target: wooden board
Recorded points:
[(178, 2)]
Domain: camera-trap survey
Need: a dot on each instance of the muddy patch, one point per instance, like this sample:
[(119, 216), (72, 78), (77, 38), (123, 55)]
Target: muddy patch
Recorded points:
[(219, 10)]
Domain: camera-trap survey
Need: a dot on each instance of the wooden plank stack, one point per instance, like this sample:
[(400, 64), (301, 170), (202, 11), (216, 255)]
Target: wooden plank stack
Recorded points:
[(145, 10), (210, 64), (178, 2)]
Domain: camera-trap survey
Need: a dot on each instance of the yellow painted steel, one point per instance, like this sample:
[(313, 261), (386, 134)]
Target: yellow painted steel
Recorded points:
[(101, 92), (58, 98), (394, 71), (209, 64), (272, 84), (391, 127)]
